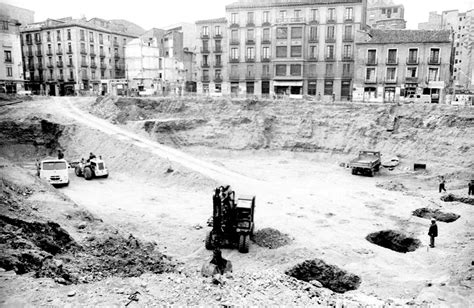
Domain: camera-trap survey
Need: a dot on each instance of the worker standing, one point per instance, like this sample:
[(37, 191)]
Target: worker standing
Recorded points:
[(442, 183), (471, 188), (433, 232), (60, 154)]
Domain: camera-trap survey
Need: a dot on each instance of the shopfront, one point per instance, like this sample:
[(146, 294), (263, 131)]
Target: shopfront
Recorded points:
[(288, 87)]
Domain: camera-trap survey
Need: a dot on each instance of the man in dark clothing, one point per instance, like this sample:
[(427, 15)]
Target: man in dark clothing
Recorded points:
[(433, 232), (91, 156), (471, 188), (60, 154), (442, 182)]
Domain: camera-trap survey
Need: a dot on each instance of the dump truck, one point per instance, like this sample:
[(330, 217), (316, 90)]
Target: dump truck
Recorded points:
[(367, 163)]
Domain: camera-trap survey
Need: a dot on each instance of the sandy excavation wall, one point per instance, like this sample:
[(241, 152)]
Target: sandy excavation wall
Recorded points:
[(422, 132)]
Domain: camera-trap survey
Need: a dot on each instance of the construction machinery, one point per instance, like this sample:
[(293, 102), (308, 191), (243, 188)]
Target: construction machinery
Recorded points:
[(232, 220), (92, 168), (367, 163)]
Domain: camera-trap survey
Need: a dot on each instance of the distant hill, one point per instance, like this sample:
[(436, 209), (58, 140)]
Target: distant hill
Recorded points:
[(128, 26)]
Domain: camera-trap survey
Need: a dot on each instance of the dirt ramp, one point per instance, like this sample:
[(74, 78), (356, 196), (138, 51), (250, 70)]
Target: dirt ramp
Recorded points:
[(271, 238), (436, 214), (330, 276), (394, 240)]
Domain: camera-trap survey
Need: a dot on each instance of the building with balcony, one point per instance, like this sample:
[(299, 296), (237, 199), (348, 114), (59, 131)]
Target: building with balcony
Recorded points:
[(142, 61), (297, 47), (11, 62), (392, 64), (64, 56), (385, 15), (462, 25), (212, 56)]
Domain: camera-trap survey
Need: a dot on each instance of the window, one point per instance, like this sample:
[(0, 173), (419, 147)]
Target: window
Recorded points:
[(280, 69), (413, 55), (391, 73), (266, 52), (9, 71), (234, 53), (370, 74), (250, 70), (314, 15), (392, 56), (313, 33), (251, 53), (234, 70), (91, 37), (296, 51), (205, 46), (266, 16), (48, 36), (218, 46), (330, 32), (384, 11), (412, 72), (331, 15), (330, 52), (434, 55), (101, 38), (8, 56), (83, 35), (395, 10), (346, 69), (348, 14), (205, 75), (37, 37), (282, 33), (218, 74), (329, 69), (250, 34), (282, 15), (4, 24), (234, 18), (328, 87), (234, 35), (313, 52), (265, 70), (266, 35), (372, 56), (250, 87), (297, 14), (296, 32), (205, 60), (347, 52), (295, 69), (348, 32), (312, 84), (205, 31), (69, 34), (433, 74), (217, 30), (70, 61), (281, 52), (58, 35), (250, 18)]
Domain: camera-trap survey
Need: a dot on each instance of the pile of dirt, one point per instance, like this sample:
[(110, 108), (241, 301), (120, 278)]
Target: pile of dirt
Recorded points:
[(394, 240), (453, 198), (330, 276), (271, 238), (392, 185), (436, 214)]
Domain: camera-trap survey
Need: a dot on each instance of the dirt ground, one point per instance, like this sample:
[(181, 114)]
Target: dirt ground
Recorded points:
[(325, 210)]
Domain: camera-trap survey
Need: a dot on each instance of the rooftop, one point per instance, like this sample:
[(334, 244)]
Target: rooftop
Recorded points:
[(408, 36), (221, 20), (280, 3)]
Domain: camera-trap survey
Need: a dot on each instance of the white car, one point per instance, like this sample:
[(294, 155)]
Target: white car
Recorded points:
[(55, 171)]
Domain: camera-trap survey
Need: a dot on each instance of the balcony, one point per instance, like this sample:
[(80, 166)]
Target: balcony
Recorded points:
[(330, 40), (70, 64), (31, 67), (234, 76), (411, 79), (49, 53), (218, 64), (92, 53), (250, 41), (218, 79), (205, 36), (313, 39), (347, 74), (85, 77), (265, 59), (348, 38), (39, 53), (59, 64), (103, 66), (294, 20), (116, 55), (266, 24), (371, 80), (371, 62), (59, 52), (413, 61), (234, 24), (266, 40), (390, 80), (331, 21), (266, 76), (102, 54), (249, 59), (30, 42), (250, 76), (205, 50), (314, 21), (234, 42), (84, 64), (93, 65), (218, 50), (205, 65), (347, 57), (83, 52), (69, 51), (205, 79), (70, 79), (61, 78), (234, 60), (38, 41), (39, 66), (313, 58), (217, 35), (348, 19), (434, 60), (330, 58), (250, 24), (50, 65), (391, 61), (116, 44)]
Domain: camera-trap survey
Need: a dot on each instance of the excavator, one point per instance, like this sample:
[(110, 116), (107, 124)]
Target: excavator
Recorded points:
[(232, 220)]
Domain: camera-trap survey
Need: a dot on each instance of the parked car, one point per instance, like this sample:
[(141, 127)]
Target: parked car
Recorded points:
[(417, 98)]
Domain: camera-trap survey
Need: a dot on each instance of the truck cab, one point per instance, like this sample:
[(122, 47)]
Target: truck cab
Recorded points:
[(55, 171)]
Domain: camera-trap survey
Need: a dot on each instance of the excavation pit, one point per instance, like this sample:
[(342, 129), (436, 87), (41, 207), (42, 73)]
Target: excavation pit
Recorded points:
[(271, 238), (330, 276), (453, 198), (436, 214), (394, 240)]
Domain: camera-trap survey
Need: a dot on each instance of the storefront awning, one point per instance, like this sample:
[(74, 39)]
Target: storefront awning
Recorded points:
[(288, 83)]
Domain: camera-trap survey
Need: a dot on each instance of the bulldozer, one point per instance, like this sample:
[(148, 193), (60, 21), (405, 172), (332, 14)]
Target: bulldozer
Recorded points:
[(232, 220)]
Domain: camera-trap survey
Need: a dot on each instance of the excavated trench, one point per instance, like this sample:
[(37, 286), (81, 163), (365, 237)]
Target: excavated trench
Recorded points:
[(453, 198), (436, 214), (330, 276), (394, 240)]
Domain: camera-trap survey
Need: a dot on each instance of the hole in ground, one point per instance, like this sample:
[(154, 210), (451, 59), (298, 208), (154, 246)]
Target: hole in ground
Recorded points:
[(271, 238), (437, 214), (330, 276), (394, 240), (452, 198)]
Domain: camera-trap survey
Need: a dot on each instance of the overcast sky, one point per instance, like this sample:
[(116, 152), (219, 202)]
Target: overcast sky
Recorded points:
[(161, 13)]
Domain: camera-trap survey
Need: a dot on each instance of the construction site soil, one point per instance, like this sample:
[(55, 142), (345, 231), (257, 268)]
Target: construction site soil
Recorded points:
[(141, 231)]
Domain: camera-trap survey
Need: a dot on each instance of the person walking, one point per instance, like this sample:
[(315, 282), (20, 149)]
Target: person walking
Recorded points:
[(442, 183), (433, 232), (60, 154), (471, 188)]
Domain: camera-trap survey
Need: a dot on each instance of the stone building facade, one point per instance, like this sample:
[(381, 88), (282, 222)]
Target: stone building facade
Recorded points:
[(67, 56), (394, 64), (291, 48), (11, 62), (385, 15)]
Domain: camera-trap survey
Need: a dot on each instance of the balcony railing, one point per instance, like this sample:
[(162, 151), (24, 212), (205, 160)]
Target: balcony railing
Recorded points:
[(205, 79), (205, 50), (83, 52), (217, 35), (84, 64), (102, 54), (250, 24), (31, 67), (294, 20), (347, 57), (314, 21), (70, 64), (371, 61), (69, 51), (413, 61), (38, 41), (330, 58), (116, 44), (234, 24), (205, 35), (116, 55), (39, 66), (411, 79), (234, 42), (265, 59), (266, 76), (218, 79), (205, 65), (392, 61), (38, 53), (331, 20), (348, 19), (218, 50), (49, 53), (59, 52), (390, 80), (29, 53), (266, 24), (330, 39), (234, 60), (250, 41), (250, 76), (70, 78), (313, 39), (266, 40), (61, 78), (101, 42), (50, 65), (434, 60), (30, 42), (348, 38), (218, 64), (249, 59), (371, 80), (59, 64), (234, 76), (313, 58), (103, 66), (93, 65), (92, 53)]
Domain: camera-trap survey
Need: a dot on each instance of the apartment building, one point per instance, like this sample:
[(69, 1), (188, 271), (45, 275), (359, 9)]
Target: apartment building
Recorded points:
[(385, 15), (142, 61), (393, 64), (462, 25), (11, 64), (66, 56), (297, 47), (212, 56)]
